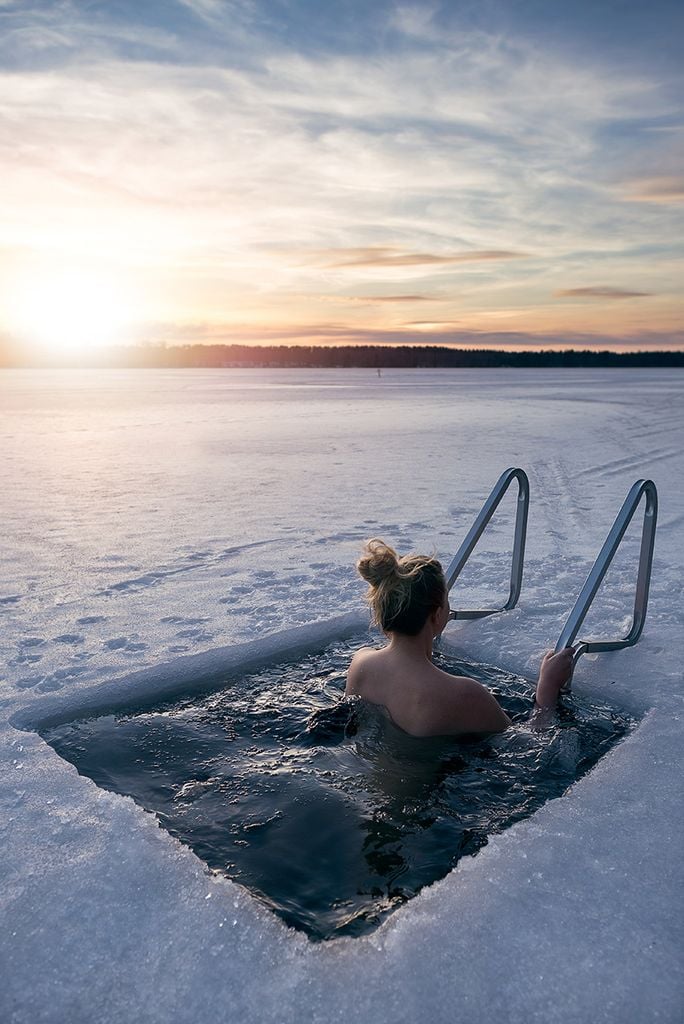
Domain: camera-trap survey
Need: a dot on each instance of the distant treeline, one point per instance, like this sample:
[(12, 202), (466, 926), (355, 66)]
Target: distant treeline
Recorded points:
[(379, 356), (371, 356)]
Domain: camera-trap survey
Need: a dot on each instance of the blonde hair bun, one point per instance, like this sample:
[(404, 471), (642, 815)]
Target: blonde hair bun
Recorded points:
[(402, 592), (379, 562)]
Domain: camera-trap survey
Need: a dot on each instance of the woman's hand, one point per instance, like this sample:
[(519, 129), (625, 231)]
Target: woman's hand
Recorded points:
[(554, 673)]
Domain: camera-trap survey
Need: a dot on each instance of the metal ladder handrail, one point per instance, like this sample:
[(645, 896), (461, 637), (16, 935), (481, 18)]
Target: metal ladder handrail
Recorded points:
[(488, 509), (600, 567)]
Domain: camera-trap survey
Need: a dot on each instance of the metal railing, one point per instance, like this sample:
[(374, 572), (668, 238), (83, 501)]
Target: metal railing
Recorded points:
[(488, 509), (605, 557)]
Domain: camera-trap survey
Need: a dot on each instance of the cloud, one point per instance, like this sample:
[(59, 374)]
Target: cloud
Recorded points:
[(206, 9), (600, 292), (379, 300), (430, 325), (380, 256), (663, 189), (332, 333)]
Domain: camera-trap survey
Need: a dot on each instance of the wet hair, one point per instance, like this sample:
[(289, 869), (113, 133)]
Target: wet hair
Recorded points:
[(403, 591)]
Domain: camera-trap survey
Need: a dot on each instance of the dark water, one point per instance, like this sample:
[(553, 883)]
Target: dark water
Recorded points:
[(321, 807)]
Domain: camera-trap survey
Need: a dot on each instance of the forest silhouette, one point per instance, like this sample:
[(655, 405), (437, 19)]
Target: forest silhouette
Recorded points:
[(318, 356)]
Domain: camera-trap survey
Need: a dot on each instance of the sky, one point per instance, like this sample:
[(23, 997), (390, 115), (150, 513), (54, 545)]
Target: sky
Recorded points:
[(471, 173)]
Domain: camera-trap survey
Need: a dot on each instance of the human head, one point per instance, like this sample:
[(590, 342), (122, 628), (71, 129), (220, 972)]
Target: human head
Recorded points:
[(402, 592)]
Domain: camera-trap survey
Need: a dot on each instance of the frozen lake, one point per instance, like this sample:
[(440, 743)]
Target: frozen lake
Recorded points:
[(150, 517)]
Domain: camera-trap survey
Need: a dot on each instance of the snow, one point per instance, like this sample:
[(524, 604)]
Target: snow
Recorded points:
[(165, 526)]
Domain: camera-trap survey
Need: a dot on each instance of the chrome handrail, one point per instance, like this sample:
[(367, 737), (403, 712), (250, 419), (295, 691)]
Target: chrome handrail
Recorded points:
[(488, 509), (605, 557)]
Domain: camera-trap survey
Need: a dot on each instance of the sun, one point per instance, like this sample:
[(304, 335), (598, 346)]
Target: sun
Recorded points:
[(70, 310)]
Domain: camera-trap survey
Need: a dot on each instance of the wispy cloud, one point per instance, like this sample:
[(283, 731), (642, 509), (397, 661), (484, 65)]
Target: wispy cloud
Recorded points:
[(665, 189), (420, 333), (373, 300), (600, 292), (380, 256), (208, 9)]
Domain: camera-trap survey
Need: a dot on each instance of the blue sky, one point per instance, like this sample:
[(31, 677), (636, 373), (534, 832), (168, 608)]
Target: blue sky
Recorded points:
[(461, 173)]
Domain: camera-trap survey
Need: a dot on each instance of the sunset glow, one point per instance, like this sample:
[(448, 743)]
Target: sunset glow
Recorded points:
[(389, 174), (67, 311)]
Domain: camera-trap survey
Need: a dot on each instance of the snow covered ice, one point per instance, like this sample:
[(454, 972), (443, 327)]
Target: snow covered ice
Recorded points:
[(157, 525)]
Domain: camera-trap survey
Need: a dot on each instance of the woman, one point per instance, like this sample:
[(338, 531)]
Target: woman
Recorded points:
[(409, 601)]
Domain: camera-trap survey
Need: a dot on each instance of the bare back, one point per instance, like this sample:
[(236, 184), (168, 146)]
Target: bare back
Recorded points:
[(420, 698)]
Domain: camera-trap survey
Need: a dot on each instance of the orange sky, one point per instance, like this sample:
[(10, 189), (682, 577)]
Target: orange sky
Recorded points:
[(202, 176)]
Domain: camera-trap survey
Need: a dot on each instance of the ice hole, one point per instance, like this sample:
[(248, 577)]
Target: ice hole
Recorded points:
[(319, 806)]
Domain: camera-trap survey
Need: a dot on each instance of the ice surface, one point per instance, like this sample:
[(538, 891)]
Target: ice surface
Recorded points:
[(155, 523)]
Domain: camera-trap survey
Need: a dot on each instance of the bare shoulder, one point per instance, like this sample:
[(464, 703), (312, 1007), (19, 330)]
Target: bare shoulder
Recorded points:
[(470, 706), (363, 656), (357, 668), (363, 652)]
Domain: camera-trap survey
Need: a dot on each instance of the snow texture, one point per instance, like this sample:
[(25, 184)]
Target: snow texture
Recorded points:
[(161, 528)]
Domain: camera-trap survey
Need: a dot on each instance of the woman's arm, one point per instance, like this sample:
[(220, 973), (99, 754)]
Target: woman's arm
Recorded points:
[(554, 673)]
